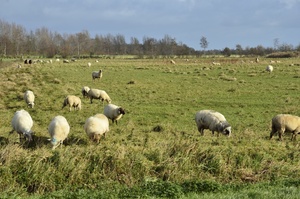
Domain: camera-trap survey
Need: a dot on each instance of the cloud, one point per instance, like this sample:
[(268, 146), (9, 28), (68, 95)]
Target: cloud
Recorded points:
[(289, 4)]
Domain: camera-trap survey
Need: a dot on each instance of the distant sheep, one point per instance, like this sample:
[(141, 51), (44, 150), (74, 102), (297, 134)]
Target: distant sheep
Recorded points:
[(85, 91), (212, 120), (172, 61), (66, 61), (216, 63), (72, 101), (98, 94), (58, 130), (89, 64), (269, 68), (285, 122), (22, 124), (96, 127), (29, 98), (97, 74), (113, 112)]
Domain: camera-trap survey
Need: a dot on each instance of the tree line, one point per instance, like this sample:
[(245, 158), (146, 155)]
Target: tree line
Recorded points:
[(16, 41)]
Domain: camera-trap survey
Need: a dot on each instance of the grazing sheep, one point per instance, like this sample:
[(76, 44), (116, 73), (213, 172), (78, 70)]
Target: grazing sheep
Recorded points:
[(25, 61), (172, 61), (66, 61), (96, 126), (285, 122), (98, 94), (256, 60), (85, 91), (216, 63), (97, 74), (57, 60), (113, 112), (72, 101), (269, 68), (58, 129), (212, 120), (22, 124), (89, 64), (29, 98)]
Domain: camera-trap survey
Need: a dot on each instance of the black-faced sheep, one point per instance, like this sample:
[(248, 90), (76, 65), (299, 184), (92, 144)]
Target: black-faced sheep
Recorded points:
[(96, 127), (29, 98), (98, 94), (84, 91), (269, 68), (113, 112), (58, 130), (212, 120), (72, 101), (97, 74), (285, 122), (22, 124)]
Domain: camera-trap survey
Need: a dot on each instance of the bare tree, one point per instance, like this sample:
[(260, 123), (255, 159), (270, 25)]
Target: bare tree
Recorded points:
[(203, 43)]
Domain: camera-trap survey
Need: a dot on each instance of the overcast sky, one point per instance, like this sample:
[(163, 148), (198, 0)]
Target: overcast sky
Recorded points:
[(224, 23)]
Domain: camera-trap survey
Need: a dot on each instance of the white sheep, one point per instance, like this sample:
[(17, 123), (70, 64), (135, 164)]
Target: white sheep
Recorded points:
[(216, 63), (212, 120), (269, 68), (113, 112), (85, 91), (97, 74), (22, 124), (29, 98), (72, 101), (96, 127), (58, 130), (98, 94), (89, 64), (285, 122)]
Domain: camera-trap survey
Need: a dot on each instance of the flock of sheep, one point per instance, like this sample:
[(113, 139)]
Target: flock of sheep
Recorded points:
[(98, 125), (95, 126)]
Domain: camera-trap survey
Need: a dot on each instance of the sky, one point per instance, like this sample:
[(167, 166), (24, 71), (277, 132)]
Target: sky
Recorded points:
[(224, 23)]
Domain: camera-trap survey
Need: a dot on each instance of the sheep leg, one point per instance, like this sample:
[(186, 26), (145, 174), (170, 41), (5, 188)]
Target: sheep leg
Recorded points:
[(280, 134)]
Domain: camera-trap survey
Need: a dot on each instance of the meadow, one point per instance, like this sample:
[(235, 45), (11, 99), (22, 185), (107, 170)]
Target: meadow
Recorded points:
[(155, 151)]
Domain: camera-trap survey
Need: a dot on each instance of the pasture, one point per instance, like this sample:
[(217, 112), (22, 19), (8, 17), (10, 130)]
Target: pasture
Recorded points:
[(156, 149)]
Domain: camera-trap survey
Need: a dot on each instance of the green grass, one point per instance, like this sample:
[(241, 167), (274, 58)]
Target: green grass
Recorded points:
[(155, 150)]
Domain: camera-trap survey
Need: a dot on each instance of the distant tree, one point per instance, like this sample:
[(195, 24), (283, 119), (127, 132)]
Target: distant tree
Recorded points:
[(276, 43), (227, 52), (134, 46), (239, 49), (203, 43), (285, 47)]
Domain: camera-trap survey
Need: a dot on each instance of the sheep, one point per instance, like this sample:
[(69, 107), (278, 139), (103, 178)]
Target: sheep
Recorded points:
[(97, 74), (98, 94), (29, 98), (285, 123), (96, 127), (22, 124), (85, 91), (58, 130), (72, 101), (212, 120), (66, 61), (216, 63), (89, 64), (172, 61), (113, 112), (269, 68)]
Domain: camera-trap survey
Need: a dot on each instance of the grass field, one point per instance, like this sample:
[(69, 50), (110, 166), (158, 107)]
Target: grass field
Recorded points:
[(155, 150)]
